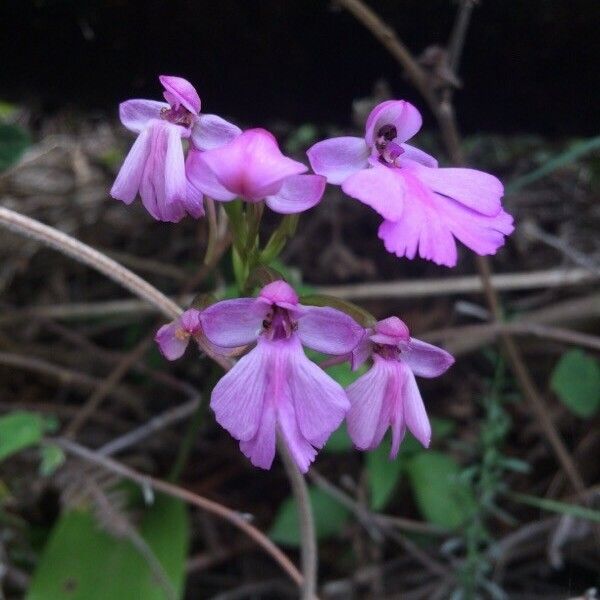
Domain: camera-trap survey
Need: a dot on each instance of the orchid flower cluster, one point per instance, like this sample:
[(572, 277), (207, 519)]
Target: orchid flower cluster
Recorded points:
[(183, 157)]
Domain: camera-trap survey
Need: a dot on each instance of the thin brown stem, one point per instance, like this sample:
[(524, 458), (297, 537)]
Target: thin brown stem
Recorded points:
[(210, 506)]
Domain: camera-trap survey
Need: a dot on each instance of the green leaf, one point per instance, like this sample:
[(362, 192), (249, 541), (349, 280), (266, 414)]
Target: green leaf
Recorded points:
[(576, 381), (383, 474), (14, 140), (442, 498), (563, 508), (339, 441), (52, 458), (330, 517), (19, 430), (83, 562)]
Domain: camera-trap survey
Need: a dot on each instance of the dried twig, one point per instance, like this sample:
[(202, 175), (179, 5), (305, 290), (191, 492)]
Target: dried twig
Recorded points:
[(210, 506)]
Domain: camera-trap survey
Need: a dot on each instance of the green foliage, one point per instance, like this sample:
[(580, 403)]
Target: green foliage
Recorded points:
[(52, 458), (301, 138), (83, 562), (443, 499), (383, 475), (576, 381), (20, 430), (14, 140), (330, 517), (339, 441), (562, 508)]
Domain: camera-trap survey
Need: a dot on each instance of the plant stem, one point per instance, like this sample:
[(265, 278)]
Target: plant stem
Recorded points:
[(308, 538)]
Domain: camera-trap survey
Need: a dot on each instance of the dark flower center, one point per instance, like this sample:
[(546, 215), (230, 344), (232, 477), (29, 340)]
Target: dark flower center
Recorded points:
[(388, 150), (387, 351), (178, 116), (278, 324)]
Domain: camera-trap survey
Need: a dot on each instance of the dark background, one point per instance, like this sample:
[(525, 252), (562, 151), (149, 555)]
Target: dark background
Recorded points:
[(529, 65)]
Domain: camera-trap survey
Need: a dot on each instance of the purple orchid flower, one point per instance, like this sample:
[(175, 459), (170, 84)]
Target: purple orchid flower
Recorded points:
[(275, 387), (155, 165), (173, 338), (387, 394), (424, 207), (252, 167)]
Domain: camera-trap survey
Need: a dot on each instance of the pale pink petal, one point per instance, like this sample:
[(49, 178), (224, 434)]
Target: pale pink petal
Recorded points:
[(127, 183), (233, 323), (338, 158), (154, 179), (135, 114), (179, 91), (172, 340), (416, 155), (362, 352), (320, 403), (328, 330), (297, 193), (301, 450), (390, 331), (475, 189), (175, 180), (426, 360), (369, 414), (380, 188), (190, 320), (211, 131), (202, 180), (394, 400), (239, 396), (251, 166), (279, 292), (261, 448), (194, 200), (415, 415), (399, 113)]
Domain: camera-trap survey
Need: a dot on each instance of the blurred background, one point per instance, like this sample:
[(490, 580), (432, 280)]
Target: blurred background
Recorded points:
[(504, 505)]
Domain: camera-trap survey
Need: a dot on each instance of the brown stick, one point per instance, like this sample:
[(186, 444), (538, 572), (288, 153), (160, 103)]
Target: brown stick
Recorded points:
[(236, 519)]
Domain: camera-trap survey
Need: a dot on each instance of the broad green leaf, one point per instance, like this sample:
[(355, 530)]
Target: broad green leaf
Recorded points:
[(576, 381), (83, 562), (14, 140), (441, 497), (383, 474), (19, 430), (330, 517)]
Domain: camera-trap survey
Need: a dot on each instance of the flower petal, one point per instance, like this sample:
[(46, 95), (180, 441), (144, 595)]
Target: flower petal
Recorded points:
[(300, 448), (202, 180), (135, 114), (261, 448), (194, 200), (297, 193), (175, 180), (211, 131), (416, 155), (172, 340), (153, 185), (127, 183), (362, 352), (368, 417), (338, 158), (320, 403), (399, 113), (426, 360), (380, 188), (477, 190), (239, 396), (251, 166), (328, 330), (233, 323), (179, 91), (415, 414)]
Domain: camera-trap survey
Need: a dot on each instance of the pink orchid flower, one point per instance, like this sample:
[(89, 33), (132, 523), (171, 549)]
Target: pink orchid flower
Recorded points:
[(387, 394), (424, 207), (155, 165), (275, 388), (173, 338), (252, 167)]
